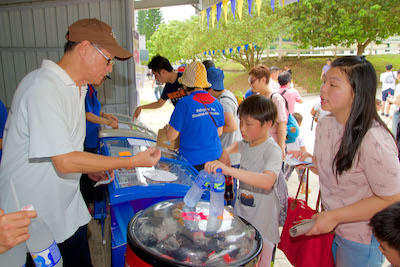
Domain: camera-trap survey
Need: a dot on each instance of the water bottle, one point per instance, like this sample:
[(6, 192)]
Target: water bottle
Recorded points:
[(15, 257), (196, 191), (41, 244), (217, 188)]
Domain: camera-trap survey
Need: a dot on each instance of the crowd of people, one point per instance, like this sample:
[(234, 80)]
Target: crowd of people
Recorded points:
[(355, 155)]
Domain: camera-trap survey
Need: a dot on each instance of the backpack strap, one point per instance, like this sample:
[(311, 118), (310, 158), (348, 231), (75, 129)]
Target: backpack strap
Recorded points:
[(287, 106), (231, 100)]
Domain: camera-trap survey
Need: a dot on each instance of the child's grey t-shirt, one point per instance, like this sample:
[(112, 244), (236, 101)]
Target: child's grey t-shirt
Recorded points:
[(263, 214)]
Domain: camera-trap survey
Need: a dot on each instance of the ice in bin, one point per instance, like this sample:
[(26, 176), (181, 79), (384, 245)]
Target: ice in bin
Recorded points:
[(161, 230), (162, 172)]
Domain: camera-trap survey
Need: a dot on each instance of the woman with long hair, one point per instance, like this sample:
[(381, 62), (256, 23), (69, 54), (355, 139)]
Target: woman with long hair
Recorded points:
[(356, 160)]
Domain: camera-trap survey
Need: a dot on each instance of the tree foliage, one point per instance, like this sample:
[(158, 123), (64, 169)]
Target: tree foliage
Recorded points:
[(183, 40), (148, 21), (344, 22)]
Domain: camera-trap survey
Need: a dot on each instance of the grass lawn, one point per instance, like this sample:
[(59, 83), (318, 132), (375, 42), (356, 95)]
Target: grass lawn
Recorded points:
[(306, 71)]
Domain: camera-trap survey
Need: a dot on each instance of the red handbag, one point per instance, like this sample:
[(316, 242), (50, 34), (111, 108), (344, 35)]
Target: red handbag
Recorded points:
[(305, 251)]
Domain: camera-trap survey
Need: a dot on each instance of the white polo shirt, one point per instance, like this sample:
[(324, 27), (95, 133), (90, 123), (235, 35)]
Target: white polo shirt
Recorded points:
[(46, 119)]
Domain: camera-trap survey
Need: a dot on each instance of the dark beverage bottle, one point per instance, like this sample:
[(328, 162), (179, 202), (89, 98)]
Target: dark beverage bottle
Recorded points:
[(229, 195)]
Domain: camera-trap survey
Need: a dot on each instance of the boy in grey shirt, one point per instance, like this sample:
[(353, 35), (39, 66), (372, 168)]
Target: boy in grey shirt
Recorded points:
[(260, 164)]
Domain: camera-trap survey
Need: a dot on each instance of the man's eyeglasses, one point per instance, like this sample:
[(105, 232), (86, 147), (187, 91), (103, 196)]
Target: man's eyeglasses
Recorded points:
[(251, 81), (110, 62)]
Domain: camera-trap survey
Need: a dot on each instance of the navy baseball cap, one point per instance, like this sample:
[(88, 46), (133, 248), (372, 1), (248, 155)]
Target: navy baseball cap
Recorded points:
[(216, 78)]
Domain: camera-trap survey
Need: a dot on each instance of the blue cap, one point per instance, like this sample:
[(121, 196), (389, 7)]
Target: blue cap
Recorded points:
[(216, 78), (219, 170)]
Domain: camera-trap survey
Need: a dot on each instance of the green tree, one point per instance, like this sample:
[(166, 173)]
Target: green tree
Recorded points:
[(343, 22), (148, 21), (183, 40)]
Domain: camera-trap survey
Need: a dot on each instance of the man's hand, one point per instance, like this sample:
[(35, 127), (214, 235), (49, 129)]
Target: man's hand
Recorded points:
[(137, 113), (147, 158), (14, 228), (101, 176)]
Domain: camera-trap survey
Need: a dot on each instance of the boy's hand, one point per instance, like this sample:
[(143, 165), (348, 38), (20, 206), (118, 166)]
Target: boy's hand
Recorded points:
[(212, 167), (225, 158)]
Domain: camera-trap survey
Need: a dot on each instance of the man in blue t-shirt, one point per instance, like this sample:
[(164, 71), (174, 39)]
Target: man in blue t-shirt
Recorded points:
[(164, 73), (3, 118), (198, 118), (94, 117)]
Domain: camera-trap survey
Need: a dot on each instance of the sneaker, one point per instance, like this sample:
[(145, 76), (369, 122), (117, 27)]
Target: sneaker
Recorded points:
[(387, 115), (382, 114)]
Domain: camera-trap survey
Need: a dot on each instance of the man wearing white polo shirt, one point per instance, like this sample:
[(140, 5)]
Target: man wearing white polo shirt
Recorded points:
[(44, 135)]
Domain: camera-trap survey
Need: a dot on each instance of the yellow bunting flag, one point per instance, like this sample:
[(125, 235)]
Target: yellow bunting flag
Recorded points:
[(258, 2), (225, 7), (240, 8), (203, 14), (213, 14)]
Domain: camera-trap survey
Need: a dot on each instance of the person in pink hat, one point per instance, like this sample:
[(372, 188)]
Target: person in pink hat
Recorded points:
[(198, 118)]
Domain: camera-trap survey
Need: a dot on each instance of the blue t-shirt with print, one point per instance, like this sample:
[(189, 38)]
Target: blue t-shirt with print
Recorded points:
[(3, 119), (92, 104), (199, 140), (173, 91)]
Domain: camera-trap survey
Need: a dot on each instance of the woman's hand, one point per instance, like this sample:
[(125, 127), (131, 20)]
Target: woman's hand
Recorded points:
[(325, 222), (110, 117), (225, 158), (302, 156), (113, 123), (212, 167)]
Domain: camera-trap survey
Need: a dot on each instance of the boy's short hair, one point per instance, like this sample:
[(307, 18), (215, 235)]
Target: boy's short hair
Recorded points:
[(389, 66), (260, 71), (386, 226), (298, 117), (284, 78), (259, 108), (159, 63)]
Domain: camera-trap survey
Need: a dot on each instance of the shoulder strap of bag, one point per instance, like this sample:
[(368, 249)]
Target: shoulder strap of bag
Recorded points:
[(230, 99), (207, 110), (287, 106), (306, 173)]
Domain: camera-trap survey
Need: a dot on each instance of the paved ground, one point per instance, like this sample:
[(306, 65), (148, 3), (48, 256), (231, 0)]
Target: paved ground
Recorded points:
[(156, 119)]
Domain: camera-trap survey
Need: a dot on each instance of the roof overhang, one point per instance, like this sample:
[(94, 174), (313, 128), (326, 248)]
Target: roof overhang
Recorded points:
[(145, 4)]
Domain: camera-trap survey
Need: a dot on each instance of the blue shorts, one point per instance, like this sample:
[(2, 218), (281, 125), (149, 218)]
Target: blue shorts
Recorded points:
[(386, 93), (353, 254)]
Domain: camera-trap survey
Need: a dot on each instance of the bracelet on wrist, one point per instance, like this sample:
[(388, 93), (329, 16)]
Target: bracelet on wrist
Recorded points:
[(130, 163)]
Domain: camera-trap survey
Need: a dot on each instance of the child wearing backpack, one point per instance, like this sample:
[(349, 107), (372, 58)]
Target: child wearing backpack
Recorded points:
[(298, 144), (257, 200)]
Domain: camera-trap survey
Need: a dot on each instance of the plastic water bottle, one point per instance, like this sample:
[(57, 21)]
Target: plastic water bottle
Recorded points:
[(217, 188), (41, 244), (15, 257), (196, 191)]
